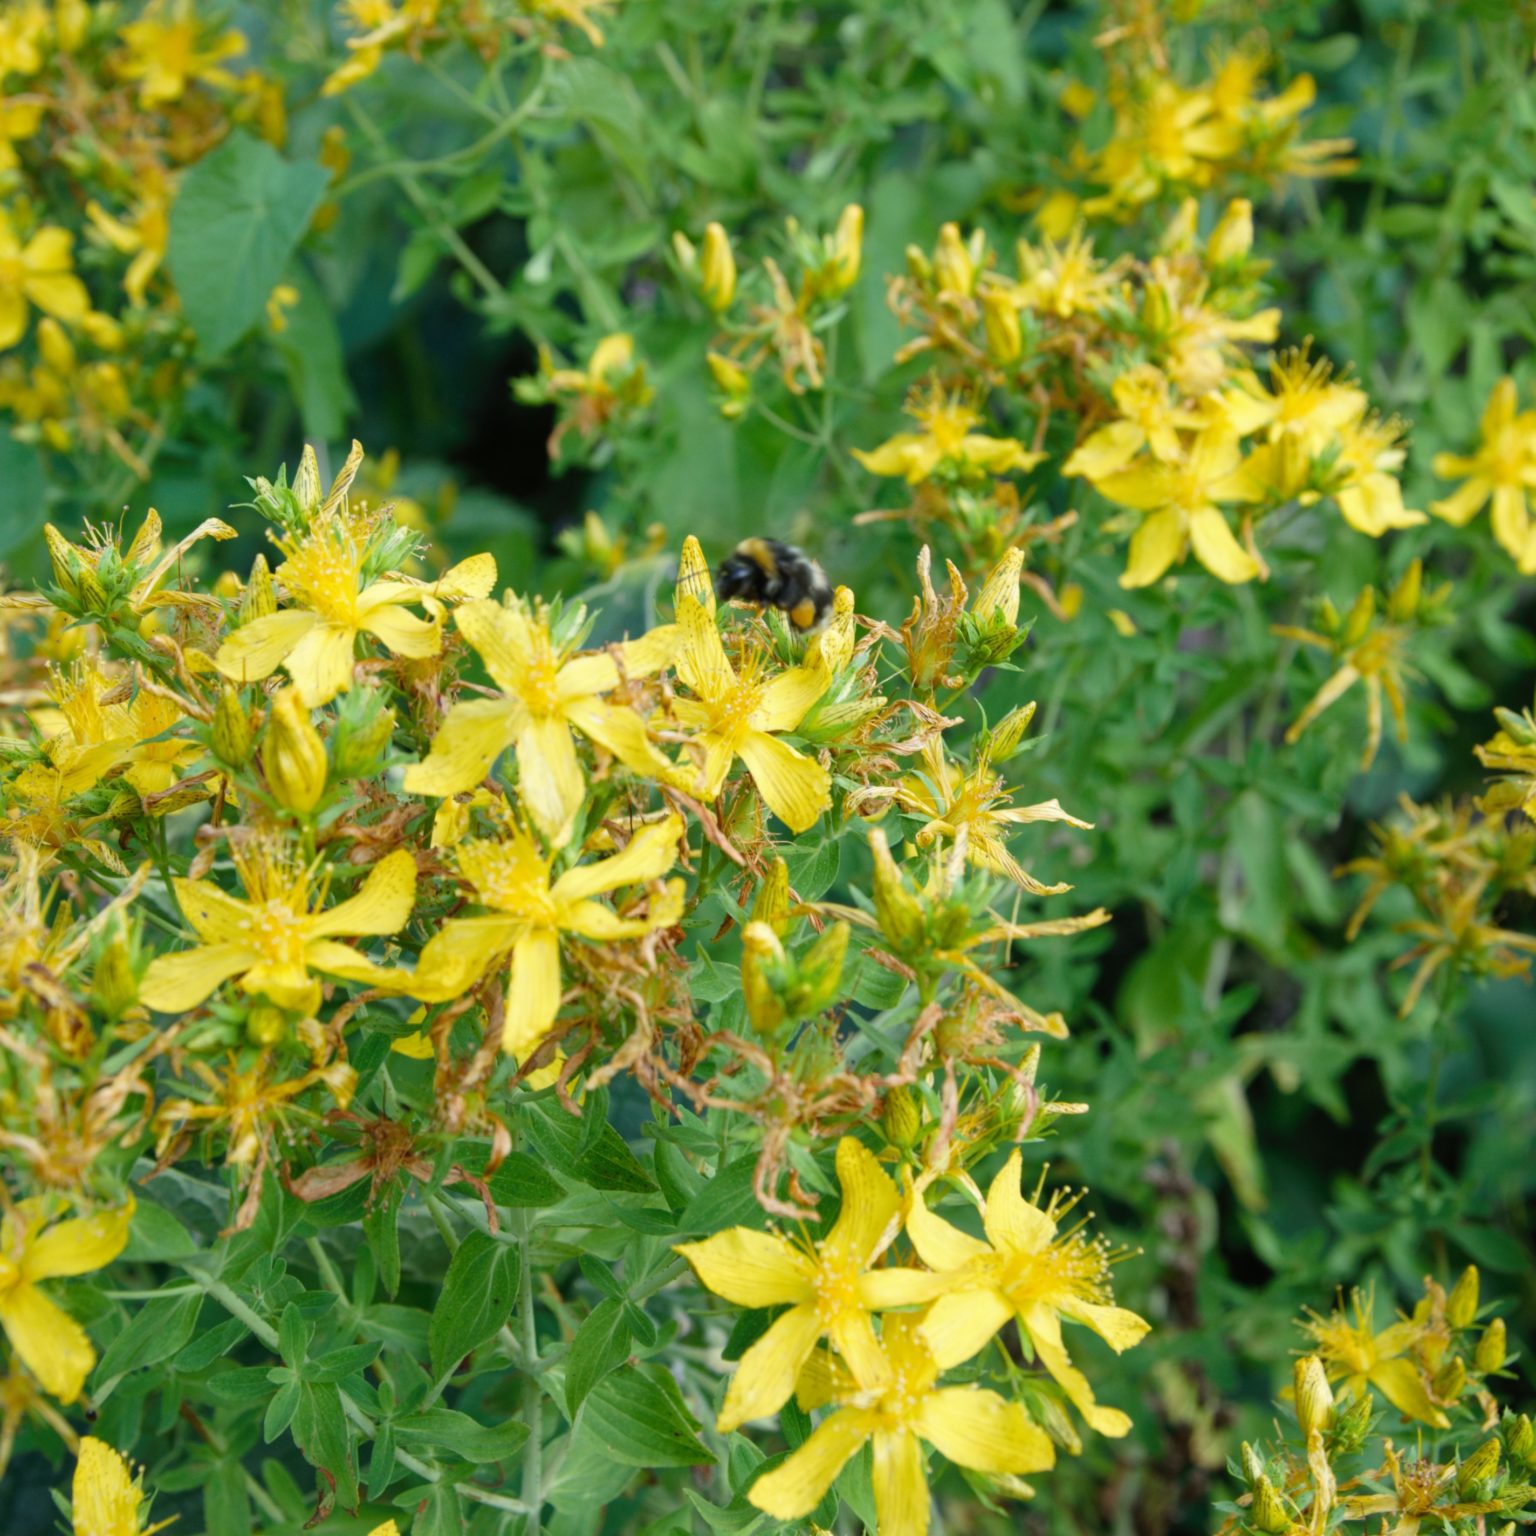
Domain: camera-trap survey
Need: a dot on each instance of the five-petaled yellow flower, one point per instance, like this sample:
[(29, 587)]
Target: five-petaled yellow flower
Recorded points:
[(40, 273), (735, 713), (970, 1426), (1027, 1270), (948, 440), (529, 912), (1149, 418), (169, 48), (545, 692), (105, 1496), (1358, 1357), (316, 640), (1182, 503), (45, 1338), (280, 933), (830, 1290), (1502, 470)]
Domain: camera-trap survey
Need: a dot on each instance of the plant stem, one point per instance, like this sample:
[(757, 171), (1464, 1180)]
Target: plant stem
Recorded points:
[(533, 1407)]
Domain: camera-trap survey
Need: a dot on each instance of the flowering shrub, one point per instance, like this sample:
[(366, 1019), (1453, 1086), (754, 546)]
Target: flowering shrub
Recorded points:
[(503, 1032)]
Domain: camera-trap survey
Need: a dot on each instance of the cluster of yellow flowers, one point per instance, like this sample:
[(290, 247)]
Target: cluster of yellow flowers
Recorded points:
[(127, 105), (1436, 1367), (1151, 362), (883, 1387)]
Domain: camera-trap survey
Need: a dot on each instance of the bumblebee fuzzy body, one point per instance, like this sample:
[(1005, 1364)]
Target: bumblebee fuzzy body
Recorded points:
[(769, 574)]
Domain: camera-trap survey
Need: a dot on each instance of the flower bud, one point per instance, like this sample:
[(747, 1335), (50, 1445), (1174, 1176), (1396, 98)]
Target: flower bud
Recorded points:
[(266, 1025), (734, 382), (114, 986), (771, 903), (259, 599), (231, 729), (307, 489), (293, 755), (820, 972), (1480, 1467), (687, 254), (1519, 1436), (1253, 1464), (1314, 1397), (897, 910), (717, 269), (1461, 1305), (919, 268), (1005, 738), (1450, 1381), (1268, 1509), (847, 251), (54, 344), (1360, 616), (1404, 601), (65, 558), (364, 729), (1179, 235), (1000, 321), (1492, 1348), (952, 264), (902, 1117), (1232, 238), (91, 593), (997, 604), (1351, 1424), (762, 961)]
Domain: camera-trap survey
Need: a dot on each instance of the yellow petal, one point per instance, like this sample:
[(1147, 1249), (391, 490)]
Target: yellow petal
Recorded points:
[(583, 675), (472, 736), (766, 1376), (796, 788), (901, 1489), (342, 960), (403, 634), (619, 730), (503, 638), (939, 1245), (882, 1289), (321, 664), (1511, 521), (787, 698), (550, 779), (458, 955), (701, 661), (799, 1483), (533, 996), (288, 984), (977, 1429), (389, 1528), (653, 650), (751, 1269), (471, 578), (174, 983), (1044, 1329), (649, 854), (260, 647), (854, 1335), (1119, 1327), (1106, 451), (592, 920), (47, 1340), (871, 1205), (77, 1247), (1464, 503), (214, 916), (963, 1323), (1154, 547), (1012, 1222), (1217, 549), (381, 906), (1145, 487), (693, 577), (1400, 1383), (104, 1498)]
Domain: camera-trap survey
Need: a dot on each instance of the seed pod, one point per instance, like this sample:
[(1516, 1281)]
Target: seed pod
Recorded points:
[(1253, 1464), (821, 971), (231, 729), (1004, 739), (293, 755)]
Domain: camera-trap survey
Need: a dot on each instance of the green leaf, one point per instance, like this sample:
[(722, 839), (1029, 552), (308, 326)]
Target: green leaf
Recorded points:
[(294, 1332), (381, 1228), (812, 871), (155, 1236), (461, 1436), (639, 1414), (320, 1431), (338, 1364), (155, 1333), (522, 1182), (310, 346), (476, 1299), (601, 1345), (607, 1163), (725, 1201), (237, 220), (23, 495)]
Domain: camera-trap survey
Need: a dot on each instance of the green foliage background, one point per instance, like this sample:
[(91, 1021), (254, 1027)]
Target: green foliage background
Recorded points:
[(1256, 1102)]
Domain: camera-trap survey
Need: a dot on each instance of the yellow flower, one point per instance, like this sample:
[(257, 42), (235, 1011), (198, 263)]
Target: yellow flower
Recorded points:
[(315, 641), (1502, 470), (1359, 1357), (1182, 502), (830, 1289), (1367, 489), (545, 693), (1028, 1270), (529, 913), (947, 441), (105, 1495), (970, 1426), (169, 49), (19, 120), (577, 13), (1150, 418), (1066, 280), (45, 1338), (1305, 407), (389, 1528), (273, 939), (143, 235), (41, 272), (975, 804), (735, 714)]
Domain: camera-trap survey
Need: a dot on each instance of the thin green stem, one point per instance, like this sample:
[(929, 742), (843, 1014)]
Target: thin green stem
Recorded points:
[(533, 1407)]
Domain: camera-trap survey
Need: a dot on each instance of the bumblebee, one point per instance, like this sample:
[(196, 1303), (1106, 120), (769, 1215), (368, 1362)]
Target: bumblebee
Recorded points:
[(769, 574)]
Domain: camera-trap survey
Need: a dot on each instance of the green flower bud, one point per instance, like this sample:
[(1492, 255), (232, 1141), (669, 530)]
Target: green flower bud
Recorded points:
[(1268, 1510), (232, 739), (114, 986), (259, 598), (771, 903), (1314, 1397), (897, 910), (1492, 1348), (902, 1117), (293, 755), (1450, 1380), (266, 1025), (1519, 1436), (1480, 1467), (1461, 1304)]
